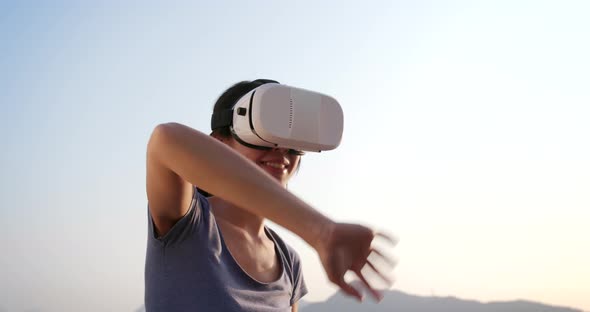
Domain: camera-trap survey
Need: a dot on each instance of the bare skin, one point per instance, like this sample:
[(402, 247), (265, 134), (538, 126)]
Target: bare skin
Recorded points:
[(255, 254), (248, 190)]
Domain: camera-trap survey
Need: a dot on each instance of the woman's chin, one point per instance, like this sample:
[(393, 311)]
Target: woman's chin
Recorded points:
[(277, 173)]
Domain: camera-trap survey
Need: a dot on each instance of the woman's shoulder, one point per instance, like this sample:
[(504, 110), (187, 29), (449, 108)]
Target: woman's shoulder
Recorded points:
[(291, 255), (292, 266), (188, 225)]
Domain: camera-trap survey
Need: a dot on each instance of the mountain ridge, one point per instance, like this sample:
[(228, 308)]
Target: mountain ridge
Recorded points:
[(395, 300)]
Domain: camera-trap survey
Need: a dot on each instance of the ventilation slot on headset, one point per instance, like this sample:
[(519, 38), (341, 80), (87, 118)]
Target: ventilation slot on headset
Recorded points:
[(290, 113)]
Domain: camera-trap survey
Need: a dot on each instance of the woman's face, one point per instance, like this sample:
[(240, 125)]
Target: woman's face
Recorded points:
[(278, 162)]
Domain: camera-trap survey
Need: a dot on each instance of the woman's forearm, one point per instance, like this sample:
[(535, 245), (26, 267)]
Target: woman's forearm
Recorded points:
[(214, 167)]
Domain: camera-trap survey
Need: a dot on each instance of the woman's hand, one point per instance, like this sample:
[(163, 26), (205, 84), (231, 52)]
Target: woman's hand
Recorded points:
[(346, 247)]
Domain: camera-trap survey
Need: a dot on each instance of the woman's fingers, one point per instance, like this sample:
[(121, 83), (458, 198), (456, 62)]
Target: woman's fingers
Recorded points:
[(349, 248), (390, 239), (376, 294), (388, 259), (348, 289), (386, 279)]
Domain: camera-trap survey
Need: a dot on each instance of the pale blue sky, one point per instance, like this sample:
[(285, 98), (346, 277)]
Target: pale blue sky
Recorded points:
[(466, 134)]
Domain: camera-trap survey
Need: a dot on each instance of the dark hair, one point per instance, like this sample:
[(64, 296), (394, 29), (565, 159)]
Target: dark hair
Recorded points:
[(229, 98)]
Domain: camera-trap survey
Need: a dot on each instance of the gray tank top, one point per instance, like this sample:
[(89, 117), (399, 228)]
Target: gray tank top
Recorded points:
[(191, 269)]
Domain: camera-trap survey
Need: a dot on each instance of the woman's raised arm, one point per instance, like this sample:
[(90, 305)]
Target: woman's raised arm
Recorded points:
[(214, 167), (201, 160)]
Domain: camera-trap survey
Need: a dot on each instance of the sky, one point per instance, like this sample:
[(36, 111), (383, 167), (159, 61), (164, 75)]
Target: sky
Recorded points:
[(465, 135)]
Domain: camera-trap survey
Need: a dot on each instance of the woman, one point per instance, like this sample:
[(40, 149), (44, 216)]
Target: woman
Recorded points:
[(214, 253)]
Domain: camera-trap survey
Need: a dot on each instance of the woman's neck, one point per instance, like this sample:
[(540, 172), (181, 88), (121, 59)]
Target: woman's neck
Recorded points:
[(237, 217)]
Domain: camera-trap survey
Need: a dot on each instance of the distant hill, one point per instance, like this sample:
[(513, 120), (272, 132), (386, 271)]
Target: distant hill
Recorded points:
[(398, 301), (401, 302)]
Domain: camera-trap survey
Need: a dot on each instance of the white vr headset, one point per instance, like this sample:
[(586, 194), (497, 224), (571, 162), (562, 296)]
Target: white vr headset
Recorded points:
[(279, 116)]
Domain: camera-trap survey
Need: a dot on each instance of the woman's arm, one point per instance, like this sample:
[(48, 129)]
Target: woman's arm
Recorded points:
[(214, 167), (211, 165)]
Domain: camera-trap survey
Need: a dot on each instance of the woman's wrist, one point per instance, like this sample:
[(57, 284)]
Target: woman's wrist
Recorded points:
[(319, 232)]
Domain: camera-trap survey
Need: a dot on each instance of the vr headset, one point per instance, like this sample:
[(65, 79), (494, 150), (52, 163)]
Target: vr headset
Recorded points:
[(280, 116)]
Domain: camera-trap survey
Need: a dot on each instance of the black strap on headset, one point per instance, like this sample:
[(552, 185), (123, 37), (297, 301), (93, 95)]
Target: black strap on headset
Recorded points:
[(225, 117), (264, 81), (222, 118)]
